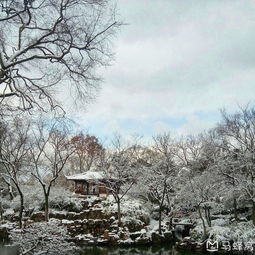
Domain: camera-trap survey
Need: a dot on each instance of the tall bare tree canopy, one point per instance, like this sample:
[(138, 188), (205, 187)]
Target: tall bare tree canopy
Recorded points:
[(87, 149), (44, 43)]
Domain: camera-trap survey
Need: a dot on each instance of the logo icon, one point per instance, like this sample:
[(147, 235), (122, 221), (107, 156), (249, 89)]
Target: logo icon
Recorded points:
[(212, 245), (226, 245)]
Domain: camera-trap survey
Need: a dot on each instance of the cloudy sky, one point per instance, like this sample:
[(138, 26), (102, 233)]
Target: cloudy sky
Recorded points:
[(177, 63)]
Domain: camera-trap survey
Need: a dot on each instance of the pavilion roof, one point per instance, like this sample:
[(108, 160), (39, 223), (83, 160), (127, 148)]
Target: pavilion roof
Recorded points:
[(89, 175)]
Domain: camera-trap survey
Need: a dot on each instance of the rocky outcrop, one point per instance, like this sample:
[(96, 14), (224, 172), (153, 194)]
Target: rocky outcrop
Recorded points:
[(96, 226)]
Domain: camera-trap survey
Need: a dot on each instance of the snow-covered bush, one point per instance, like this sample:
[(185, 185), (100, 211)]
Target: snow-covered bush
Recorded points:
[(130, 207), (33, 198), (133, 224), (43, 238), (61, 199), (134, 214), (6, 203), (220, 222), (221, 230)]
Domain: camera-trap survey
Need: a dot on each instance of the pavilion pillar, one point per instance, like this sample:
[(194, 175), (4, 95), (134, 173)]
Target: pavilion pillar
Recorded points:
[(87, 188)]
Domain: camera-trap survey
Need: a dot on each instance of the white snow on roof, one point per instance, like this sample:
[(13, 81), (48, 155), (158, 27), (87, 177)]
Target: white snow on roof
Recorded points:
[(90, 175)]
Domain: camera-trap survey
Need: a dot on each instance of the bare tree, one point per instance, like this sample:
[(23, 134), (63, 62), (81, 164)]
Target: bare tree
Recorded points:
[(14, 157), (159, 178), (200, 193), (229, 168), (50, 150), (3, 135), (198, 158), (50, 43), (87, 151), (121, 168), (238, 131)]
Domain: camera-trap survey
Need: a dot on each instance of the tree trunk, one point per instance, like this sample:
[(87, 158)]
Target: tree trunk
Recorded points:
[(81, 164), (253, 213), (235, 209), (253, 201), (161, 207), (9, 188), (21, 209), (10, 191), (170, 219), (46, 205), (46, 208), (159, 221), (208, 216), (119, 214), (21, 203), (203, 222), (88, 163), (1, 211)]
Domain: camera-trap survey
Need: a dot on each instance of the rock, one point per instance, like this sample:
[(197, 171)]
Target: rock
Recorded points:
[(12, 217), (187, 239), (75, 227), (113, 239), (84, 215), (97, 206), (27, 223), (4, 235), (134, 225), (96, 213), (168, 236), (188, 244), (111, 220), (38, 216), (145, 219), (114, 228), (156, 238), (134, 235), (58, 215), (85, 204), (73, 216), (199, 247), (106, 234), (123, 235), (142, 240)]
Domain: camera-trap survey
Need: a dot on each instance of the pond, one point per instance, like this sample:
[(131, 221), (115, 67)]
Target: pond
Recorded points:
[(8, 250), (141, 250), (111, 250)]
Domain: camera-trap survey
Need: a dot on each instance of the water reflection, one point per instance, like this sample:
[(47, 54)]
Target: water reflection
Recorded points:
[(142, 250), (111, 250), (8, 250)]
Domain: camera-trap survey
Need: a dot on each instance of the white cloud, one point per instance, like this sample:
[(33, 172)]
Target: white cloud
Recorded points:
[(175, 59), (195, 125), (160, 127)]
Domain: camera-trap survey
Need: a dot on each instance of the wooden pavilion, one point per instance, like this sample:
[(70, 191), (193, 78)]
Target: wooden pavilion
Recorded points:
[(91, 183)]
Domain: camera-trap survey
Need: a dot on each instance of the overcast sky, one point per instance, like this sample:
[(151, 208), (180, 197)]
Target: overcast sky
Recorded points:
[(177, 63)]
